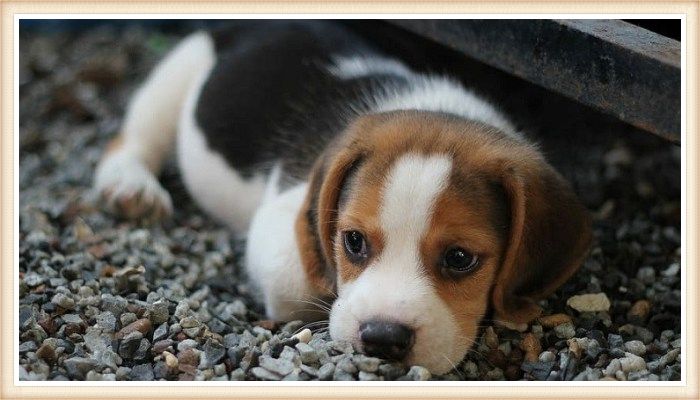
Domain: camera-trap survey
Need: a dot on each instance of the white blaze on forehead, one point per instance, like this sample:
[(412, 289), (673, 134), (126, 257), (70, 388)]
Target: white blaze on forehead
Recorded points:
[(412, 186)]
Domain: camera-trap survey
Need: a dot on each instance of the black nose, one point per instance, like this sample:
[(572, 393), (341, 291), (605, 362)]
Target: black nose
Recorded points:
[(386, 339)]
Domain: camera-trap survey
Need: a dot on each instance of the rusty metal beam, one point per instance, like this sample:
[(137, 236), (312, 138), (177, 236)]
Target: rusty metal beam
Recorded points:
[(614, 66)]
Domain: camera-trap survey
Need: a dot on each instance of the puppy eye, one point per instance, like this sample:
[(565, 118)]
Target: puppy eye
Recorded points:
[(458, 260), (355, 245)]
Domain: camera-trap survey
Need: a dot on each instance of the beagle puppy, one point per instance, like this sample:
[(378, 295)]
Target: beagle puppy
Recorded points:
[(407, 202)]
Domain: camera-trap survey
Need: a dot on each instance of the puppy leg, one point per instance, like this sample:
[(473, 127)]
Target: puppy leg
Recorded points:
[(126, 176)]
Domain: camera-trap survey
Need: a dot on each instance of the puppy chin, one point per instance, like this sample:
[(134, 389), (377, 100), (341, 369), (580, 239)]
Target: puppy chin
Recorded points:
[(439, 345)]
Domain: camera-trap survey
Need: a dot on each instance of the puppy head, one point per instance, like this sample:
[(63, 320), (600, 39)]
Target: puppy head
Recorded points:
[(423, 221)]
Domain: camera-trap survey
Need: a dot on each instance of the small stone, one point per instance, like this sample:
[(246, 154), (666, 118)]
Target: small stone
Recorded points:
[(615, 341), (366, 364), (159, 313), (130, 344), (264, 374), (123, 373), (142, 372), (72, 319), (127, 318), (539, 370), (565, 331), (170, 361), (63, 301), (672, 270), (632, 363), (189, 322), (368, 376), (645, 335), (304, 336), (306, 353), (231, 340), (574, 347), (213, 353), (613, 367), (78, 367), (340, 375), (636, 347), (646, 275), (47, 353), (589, 302), (278, 366), (114, 304), (530, 344), (326, 371), (161, 332), (550, 321), (346, 365), (639, 311), (546, 356), (237, 375), (189, 356), (490, 338), (27, 346), (161, 345), (142, 325), (106, 321), (391, 371), (418, 373)]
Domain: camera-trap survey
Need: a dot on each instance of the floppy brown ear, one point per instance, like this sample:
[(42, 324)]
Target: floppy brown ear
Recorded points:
[(316, 222), (549, 237)]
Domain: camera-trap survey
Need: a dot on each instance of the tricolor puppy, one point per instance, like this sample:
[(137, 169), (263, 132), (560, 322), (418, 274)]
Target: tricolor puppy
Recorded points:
[(406, 200)]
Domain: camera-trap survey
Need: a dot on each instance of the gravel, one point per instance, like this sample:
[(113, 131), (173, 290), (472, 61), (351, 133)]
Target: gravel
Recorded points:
[(106, 299)]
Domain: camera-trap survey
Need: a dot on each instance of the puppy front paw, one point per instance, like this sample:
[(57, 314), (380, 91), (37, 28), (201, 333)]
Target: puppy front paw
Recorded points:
[(127, 188)]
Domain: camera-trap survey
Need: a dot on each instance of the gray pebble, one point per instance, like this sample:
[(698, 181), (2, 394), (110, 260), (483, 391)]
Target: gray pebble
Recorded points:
[(391, 371), (632, 363), (565, 330), (231, 340), (307, 353), (346, 364), (237, 375), (615, 341), (159, 312), (27, 346), (418, 373), (161, 332), (127, 318), (107, 321), (647, 275), (366, 364), (546, 356), (142, 372), (63, 301), (278, 366), (635, 347), (213, 353), (326, 371), (368, 376), (114, 304), (340, 375), (265, 374), (186, 344), (78, 367)]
